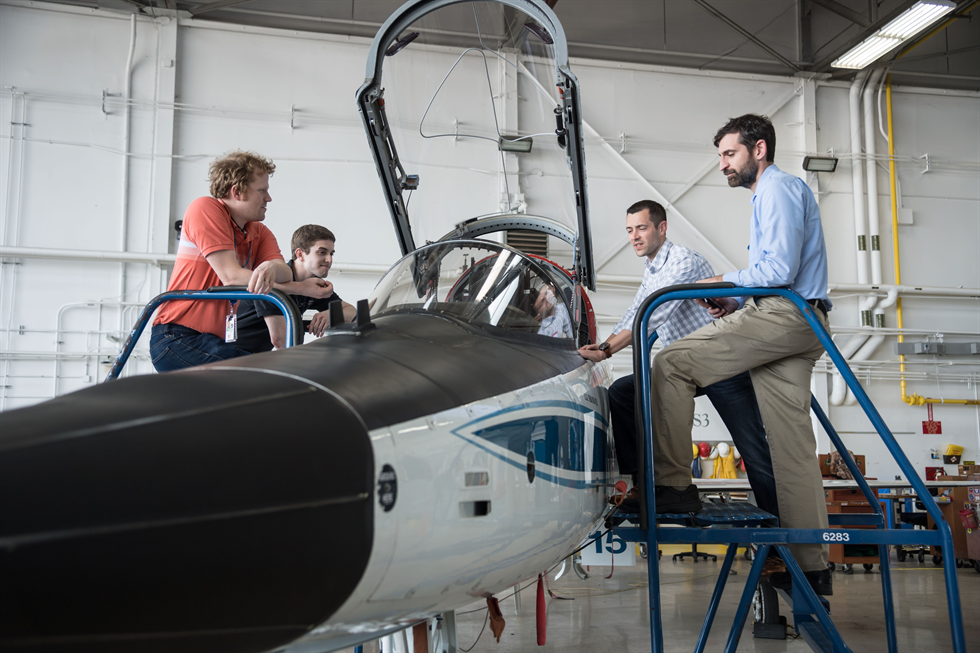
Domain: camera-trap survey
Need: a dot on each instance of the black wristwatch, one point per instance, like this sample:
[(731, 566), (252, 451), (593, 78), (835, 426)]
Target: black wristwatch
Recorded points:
[(604, 348)]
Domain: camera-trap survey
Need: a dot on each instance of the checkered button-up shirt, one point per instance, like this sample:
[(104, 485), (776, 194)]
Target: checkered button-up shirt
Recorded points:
[(558, 325), (672, 265)]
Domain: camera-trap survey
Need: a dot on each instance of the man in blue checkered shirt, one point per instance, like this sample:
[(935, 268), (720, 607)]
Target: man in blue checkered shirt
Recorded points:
[(669, 264)]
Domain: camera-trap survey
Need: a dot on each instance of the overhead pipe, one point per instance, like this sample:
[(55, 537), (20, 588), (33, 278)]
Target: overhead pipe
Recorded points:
[(86, 255), (870, 150), (914, 399), (857, 186), (870, 304), (127, 119), (838, 387), (871, 180), (864, 353), (865, 303), (925, 291), (141, 257)]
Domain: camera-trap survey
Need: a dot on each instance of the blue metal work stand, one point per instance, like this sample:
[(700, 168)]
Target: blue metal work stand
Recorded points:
[(736, 525), (285, 303)]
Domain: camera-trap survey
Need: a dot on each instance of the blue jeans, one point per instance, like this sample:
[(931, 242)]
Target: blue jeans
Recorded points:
[(734, 399), (174, 347)]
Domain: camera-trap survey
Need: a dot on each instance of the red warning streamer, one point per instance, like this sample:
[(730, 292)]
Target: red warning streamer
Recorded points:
[(542, 614)]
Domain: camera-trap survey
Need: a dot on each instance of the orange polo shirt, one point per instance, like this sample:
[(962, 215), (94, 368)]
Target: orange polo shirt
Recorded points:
[(208, 228)]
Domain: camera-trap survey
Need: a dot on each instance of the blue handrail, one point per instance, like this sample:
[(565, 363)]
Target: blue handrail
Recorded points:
[(642, 344), (285, 303)]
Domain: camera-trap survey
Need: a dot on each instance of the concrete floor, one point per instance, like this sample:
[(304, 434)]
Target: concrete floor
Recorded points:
[(611, 614)]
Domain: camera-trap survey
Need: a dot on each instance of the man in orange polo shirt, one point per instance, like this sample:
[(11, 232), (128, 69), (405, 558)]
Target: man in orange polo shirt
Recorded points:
[(223, 243)]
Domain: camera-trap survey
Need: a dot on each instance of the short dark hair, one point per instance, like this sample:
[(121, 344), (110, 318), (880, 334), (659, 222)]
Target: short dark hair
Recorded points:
[(658, 213), (306, 236), (751, 129)]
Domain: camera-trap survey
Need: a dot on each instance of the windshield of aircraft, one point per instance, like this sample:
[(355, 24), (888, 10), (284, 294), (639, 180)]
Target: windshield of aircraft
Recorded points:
[(465, 88), (483, 283)]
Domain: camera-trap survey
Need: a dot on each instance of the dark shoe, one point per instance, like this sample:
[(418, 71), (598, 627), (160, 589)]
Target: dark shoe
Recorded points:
[(672, 500), (669, 500), (630, 505), (822, 581)]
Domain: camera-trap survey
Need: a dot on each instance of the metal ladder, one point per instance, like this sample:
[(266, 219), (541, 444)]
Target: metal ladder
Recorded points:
[(749, 525), (285, 303)]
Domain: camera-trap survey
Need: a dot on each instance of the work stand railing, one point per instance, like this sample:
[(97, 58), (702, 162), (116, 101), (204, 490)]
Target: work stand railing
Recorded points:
[(736, 524), (285, 303)]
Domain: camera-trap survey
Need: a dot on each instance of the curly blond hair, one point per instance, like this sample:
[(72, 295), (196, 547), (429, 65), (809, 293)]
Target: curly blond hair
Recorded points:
[(235, 170)]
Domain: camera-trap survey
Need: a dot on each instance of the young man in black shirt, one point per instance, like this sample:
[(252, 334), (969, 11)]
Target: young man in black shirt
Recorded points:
[(262, 326)]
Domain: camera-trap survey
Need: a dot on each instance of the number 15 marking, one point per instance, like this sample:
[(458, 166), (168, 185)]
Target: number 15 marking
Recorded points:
[(614, 545)]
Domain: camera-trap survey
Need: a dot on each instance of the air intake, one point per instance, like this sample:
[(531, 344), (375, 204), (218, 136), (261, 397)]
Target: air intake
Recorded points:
[(529, 242)]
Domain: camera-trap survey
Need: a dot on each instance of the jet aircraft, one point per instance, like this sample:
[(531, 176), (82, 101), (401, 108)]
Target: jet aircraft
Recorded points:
[(309, 499)]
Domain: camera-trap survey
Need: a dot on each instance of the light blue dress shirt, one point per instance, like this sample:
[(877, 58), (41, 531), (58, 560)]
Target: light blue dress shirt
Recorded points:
[(786, 239)]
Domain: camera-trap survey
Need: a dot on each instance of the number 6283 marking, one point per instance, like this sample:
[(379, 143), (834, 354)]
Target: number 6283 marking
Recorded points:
[(830, 536)]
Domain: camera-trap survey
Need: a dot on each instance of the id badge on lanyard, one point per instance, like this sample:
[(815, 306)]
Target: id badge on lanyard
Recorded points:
[(231, 320), (231, 324)]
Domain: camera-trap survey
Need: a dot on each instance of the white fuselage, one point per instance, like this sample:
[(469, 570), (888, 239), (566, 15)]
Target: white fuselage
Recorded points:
[(466, 520)]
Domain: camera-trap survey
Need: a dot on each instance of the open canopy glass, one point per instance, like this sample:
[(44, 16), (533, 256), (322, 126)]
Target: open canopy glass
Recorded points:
[(470, 109), (484, 283)]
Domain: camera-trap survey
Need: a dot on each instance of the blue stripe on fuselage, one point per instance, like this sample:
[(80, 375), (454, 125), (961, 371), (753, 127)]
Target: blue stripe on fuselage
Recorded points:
[(556, 440)]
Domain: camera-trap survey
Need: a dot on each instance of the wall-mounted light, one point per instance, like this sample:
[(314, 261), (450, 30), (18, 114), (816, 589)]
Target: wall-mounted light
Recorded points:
[(523, 145), (907, 25), (819, 163)]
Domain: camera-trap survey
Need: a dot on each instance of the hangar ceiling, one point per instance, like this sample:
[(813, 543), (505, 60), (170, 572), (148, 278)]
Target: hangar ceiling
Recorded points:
[(773, 37)]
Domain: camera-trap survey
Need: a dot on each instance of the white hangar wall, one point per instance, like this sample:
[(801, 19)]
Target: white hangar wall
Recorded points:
[(200, 89)]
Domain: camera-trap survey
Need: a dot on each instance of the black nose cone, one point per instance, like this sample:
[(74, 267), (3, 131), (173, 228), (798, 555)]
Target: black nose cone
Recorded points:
[(212, 510)]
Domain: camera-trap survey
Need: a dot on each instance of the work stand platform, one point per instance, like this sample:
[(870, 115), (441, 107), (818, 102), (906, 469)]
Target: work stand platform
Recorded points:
[(738, 525)]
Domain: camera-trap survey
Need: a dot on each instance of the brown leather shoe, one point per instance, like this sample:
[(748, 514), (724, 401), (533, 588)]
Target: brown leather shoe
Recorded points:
[(773, 565)]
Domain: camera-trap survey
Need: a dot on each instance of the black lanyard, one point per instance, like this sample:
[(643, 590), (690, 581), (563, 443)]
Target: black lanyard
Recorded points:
[(234, 236)]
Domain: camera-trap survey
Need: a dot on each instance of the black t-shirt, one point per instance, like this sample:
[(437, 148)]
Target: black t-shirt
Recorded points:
[(253, 333)]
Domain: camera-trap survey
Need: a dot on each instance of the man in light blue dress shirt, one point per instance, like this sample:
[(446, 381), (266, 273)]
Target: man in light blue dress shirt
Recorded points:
[(766, 336)]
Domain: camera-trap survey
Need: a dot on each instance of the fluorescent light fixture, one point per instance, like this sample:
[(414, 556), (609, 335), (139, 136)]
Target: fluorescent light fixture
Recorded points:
[(819, 163), (523, 145), (908, 24)]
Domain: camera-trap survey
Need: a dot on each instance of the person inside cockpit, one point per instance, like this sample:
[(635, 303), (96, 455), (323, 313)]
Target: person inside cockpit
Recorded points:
[(554, 318)]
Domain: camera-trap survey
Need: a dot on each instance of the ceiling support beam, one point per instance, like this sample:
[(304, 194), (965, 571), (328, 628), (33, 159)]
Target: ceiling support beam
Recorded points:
[(708, 167), (844, 12), (751, 37), (804, 40), (701, 242), (922, 57), (217, 4), (713, 163)]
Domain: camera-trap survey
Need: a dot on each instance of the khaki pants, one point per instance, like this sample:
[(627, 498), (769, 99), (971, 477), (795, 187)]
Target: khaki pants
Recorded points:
[(770, 338)]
